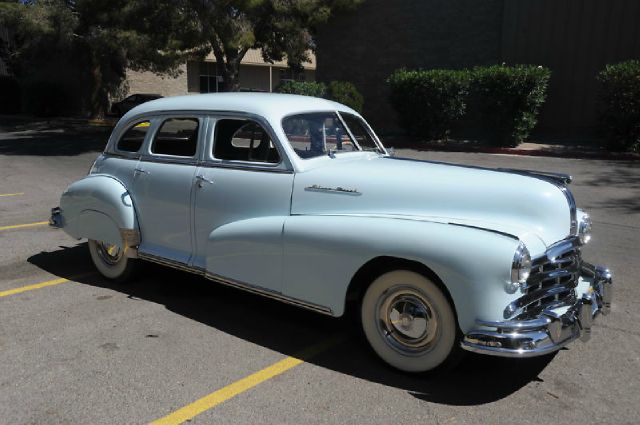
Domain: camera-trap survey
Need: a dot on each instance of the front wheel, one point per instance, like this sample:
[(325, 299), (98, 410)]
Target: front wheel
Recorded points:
[(408, 321), (111, 261)]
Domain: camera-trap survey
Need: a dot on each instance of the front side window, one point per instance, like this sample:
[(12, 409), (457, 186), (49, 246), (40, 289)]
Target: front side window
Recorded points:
[(243, 140), (132, 139), (177, 137), (359, 131), (320, 133)]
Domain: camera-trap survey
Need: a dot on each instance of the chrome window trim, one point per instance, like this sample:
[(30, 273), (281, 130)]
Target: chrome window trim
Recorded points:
[(127, 127), (209, 160), (173, 159), (367, 128)]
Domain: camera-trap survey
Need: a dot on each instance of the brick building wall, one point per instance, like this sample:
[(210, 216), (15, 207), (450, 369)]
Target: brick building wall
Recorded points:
[(366, 46), (574, 38), (148, 82)]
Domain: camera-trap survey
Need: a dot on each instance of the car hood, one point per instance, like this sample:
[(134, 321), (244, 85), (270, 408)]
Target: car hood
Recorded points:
[(529, 208)]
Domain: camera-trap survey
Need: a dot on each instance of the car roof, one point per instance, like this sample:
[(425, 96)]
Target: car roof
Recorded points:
[(269, 105)]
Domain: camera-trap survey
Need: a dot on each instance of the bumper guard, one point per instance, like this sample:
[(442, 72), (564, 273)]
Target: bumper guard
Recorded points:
[(550, 331)]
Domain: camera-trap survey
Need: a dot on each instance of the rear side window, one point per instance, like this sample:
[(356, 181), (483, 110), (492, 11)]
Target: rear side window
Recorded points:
[(243, 140), (132, 139), (177, 137)]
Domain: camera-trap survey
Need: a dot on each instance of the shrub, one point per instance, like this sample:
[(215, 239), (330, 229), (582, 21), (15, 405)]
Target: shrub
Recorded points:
[(429, 102), (10, 99), (346, 93), (305, 88), (619, 105), (507, 100)]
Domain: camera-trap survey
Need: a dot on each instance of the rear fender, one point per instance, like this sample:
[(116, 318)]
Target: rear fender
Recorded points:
[(99, 207)]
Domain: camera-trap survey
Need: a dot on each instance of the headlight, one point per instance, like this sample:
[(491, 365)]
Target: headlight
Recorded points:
[(520, 268), (584, 229)]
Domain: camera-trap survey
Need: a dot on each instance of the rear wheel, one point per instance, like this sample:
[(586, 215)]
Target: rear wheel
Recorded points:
[(409, 322), (111, 261)]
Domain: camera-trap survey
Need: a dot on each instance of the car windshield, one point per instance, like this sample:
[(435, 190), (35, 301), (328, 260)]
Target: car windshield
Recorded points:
[(320, 133)]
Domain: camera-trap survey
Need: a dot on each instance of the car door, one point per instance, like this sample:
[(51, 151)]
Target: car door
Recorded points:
[(242, 196), (163, 185)]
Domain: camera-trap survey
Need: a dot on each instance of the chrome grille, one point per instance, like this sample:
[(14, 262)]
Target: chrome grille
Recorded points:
[(552, 281)]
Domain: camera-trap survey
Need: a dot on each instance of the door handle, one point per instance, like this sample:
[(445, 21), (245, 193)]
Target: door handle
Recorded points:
[(202, 180), (140, 171)]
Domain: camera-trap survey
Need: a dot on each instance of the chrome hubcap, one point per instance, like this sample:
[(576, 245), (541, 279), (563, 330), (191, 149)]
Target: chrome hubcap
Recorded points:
[(110, 254), (407, 320)]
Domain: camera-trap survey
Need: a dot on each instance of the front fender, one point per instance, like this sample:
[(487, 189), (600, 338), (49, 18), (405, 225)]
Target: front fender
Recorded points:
[(323, 253), (98, 207)]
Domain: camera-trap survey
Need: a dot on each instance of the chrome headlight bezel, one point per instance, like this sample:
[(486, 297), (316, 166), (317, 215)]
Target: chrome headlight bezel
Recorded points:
[(520, 268), (584, 229)]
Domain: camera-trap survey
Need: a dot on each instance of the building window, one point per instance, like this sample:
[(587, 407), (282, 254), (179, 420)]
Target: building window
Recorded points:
[(287, 74), (209, 78)]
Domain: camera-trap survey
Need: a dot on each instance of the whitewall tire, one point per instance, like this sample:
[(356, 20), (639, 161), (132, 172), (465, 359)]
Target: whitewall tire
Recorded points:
[(111, 261), (408, 321)]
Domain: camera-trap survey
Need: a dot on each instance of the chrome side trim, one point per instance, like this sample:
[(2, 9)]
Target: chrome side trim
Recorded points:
[(245, 166), (269, 293), (342, 190), (236, 284), (170, 263)]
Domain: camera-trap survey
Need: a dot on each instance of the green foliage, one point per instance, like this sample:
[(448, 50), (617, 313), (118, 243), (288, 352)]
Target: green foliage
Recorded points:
[(102, 39), (10, 100), (280, 29), (508, 99), (340, 91), (93, 43), (346, 93), (429, 102), (305, 88), (620, 105)]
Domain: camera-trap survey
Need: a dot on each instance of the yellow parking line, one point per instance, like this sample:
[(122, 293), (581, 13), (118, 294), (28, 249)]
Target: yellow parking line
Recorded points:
[(52, 282), (18, 226), (32, 287), (215, 398), (11, 194)]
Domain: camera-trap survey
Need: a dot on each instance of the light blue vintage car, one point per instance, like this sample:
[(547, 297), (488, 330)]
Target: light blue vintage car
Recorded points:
[(295, 198)]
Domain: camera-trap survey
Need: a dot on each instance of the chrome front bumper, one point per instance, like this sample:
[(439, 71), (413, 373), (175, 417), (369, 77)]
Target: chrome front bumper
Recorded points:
[(550, 331)]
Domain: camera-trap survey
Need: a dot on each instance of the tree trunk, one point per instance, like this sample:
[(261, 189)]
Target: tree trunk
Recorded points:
[(231, 76), (97, 99)]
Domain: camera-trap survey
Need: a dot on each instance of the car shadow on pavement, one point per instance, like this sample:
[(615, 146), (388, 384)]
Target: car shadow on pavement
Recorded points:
[(291, 330)]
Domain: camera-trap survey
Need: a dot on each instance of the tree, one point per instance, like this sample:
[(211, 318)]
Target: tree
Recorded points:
[(86, 46), (280, 28)]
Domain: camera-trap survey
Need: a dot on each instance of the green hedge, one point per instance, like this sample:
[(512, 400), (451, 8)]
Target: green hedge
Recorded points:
[(346, 93), (429, 102), (506, 100), (340, 91), (305, 88), (619, 105)]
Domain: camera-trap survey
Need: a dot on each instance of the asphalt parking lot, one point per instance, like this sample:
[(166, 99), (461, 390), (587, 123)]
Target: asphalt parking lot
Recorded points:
[(77, 349)]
